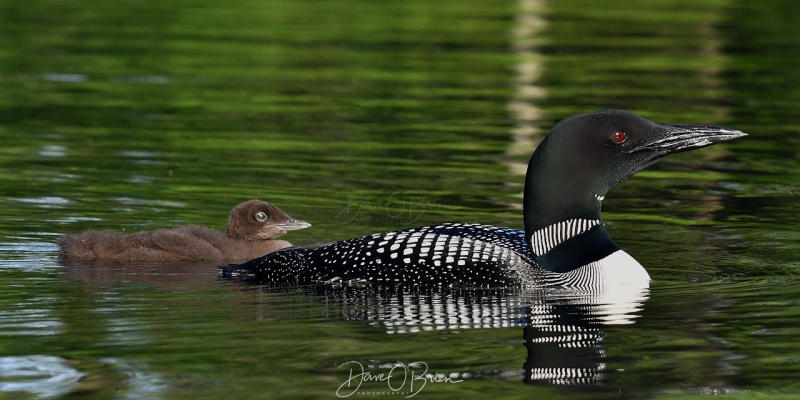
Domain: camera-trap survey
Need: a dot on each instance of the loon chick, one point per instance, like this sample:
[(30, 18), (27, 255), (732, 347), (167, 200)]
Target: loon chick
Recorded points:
[(252, 227), (564, 241)]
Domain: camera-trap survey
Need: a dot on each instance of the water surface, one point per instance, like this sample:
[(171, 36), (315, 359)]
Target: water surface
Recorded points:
[(363, 117)]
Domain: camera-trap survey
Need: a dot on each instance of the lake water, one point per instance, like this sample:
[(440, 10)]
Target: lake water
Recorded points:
[(363, 117)]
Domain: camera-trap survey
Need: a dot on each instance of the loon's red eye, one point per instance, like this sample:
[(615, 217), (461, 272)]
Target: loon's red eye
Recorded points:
[(619, 137)]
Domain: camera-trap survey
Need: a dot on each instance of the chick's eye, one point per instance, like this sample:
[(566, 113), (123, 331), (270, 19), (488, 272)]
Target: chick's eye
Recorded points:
[(619, 137), (261, 217)]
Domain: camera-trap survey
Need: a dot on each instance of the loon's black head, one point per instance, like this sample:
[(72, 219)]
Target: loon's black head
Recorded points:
[(585, 155)]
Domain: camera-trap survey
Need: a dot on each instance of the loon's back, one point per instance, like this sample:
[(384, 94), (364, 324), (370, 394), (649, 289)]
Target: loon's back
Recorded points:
[(463, 255), (446, 255)]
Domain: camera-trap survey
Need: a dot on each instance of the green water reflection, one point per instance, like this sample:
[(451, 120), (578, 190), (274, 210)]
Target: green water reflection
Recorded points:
[(361, 117)]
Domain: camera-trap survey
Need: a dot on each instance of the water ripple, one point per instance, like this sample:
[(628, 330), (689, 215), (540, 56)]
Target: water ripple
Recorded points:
[(40, 375)]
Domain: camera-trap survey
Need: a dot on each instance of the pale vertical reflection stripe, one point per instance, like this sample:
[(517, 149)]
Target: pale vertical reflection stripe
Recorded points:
[(524, 106), (546, 239)]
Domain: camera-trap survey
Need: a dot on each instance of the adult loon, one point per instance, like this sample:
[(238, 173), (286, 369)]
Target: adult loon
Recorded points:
[(564, 241), (253, 227)]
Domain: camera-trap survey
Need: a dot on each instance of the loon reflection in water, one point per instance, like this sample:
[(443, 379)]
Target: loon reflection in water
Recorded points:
[(562, 328)]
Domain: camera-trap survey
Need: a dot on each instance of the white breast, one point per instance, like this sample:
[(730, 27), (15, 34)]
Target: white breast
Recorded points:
[(619, 268), (614, 288), (615, 269)]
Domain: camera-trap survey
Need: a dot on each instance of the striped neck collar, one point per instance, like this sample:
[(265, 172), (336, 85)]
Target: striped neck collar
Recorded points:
[(570, 244), (545, 239)]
